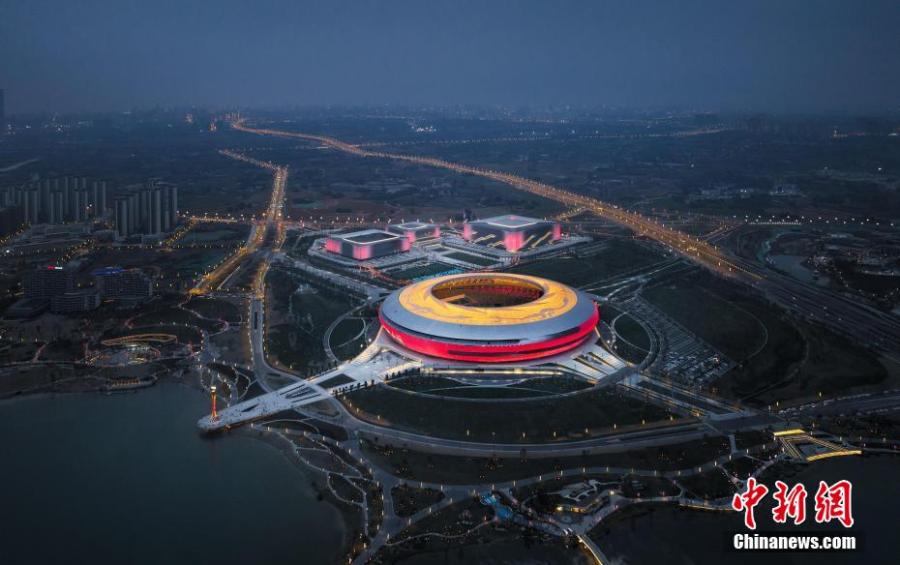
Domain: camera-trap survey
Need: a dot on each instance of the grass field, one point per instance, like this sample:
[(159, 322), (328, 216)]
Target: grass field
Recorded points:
[(619, 256), (214, 236), (779, 358), (409, 500), (345, 331), (832, 366), (185, 264), (295, 338), (632, 332), (350, 349), (730, 327), (709, 485), (548, 419), (176, 316), (455, 469), (439, 385), (608, 313), (481, 392), (216, 309)]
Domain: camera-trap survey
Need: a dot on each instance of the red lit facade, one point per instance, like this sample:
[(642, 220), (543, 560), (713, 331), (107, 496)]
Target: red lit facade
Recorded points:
[(488, 352)]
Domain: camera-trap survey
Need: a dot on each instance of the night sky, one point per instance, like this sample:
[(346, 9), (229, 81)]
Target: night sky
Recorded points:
[(779, 56)]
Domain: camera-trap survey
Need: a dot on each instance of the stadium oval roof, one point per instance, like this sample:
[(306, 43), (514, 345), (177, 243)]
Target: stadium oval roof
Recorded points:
[(463, 316)]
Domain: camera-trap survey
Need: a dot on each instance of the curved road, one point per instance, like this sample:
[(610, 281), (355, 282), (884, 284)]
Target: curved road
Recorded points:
[(843, 315)]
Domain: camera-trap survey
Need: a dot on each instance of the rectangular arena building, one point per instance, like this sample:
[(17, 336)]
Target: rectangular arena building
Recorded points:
[(415, 230), (512, 233), (366, 244)]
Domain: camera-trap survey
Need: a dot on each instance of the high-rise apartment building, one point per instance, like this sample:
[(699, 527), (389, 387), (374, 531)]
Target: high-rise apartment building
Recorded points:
[(150, 210)]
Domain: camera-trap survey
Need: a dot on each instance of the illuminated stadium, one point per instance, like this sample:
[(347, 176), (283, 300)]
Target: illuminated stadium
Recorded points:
[(489, 318)]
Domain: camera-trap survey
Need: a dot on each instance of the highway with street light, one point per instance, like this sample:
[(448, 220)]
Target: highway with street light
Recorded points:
[(844, 315)]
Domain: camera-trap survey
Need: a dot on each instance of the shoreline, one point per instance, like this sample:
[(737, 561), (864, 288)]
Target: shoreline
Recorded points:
[(313, 475), (315, 478)]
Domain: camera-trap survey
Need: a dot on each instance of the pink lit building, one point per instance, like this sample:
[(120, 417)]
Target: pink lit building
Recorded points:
[(415, 231), (367, 244), (513, 233)]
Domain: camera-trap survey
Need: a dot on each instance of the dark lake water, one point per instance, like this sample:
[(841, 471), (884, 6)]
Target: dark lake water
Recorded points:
[(681, 536), (127, 479)]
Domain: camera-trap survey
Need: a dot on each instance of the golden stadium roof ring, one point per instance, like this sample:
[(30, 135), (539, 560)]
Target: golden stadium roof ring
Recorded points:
[(489, 317)]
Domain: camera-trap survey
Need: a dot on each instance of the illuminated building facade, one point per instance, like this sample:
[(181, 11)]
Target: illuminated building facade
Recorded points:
[(367, 244), (489, 318), (415, 231), (512, 233)]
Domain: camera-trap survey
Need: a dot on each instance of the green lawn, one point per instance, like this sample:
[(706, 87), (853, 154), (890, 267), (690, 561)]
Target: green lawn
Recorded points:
[(619, 256), (487, 392), (345, 331), (537, 386), (545, 419), (456, 469), (797, 360), (176, 316), (215, 309), (632, 332), (297, 340), (729, 326)]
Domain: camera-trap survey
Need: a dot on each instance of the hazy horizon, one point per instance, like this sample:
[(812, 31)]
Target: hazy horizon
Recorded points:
[(803, 57)]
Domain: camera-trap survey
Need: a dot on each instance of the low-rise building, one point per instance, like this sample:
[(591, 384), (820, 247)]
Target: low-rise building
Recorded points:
[(366, 244), (80, 301), (48, 281), (512, 233), (414, 231), (115, 283)]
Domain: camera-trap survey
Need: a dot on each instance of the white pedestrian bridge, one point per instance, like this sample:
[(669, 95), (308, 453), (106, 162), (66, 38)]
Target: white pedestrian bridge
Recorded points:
[(371, 366), (383, 359)]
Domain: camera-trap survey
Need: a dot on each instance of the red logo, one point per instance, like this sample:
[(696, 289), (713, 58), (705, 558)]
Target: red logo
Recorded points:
[(791, 503), (747, 502), (832, 502)]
